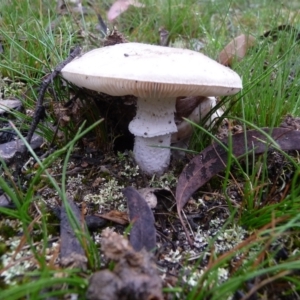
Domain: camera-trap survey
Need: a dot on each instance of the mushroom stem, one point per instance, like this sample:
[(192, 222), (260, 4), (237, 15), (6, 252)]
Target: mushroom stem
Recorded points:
[(152, 126), (157, 76), (151, 158)]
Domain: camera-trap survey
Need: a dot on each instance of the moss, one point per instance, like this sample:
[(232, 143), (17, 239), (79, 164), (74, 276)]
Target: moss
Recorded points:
[(7, 230), (3, 249)]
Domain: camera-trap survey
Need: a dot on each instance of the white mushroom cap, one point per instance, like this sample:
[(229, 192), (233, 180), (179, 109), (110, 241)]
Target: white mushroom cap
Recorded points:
[(157, 76), (151, 71)]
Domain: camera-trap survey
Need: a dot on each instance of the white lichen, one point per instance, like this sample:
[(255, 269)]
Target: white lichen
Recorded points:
[(13, 263), (174, 256), (130, 171), (166, 181), (107, 192), (225, 239), (74, 183)]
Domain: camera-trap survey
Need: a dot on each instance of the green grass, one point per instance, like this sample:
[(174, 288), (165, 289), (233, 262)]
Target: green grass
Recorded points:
[(271, 78)]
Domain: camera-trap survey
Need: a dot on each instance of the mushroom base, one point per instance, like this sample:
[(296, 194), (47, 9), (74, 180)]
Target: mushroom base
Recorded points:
[(151, 158)]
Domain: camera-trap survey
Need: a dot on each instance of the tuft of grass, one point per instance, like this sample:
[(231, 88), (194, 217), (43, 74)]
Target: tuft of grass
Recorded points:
[(271, 76), (23, 201)]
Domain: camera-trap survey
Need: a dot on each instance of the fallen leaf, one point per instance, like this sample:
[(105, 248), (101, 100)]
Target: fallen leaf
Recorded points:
[(185, 129), (93, 223), (71, 251), (186, 105), (236, 49), (143, 233), (115, 216), (121, 6), (283, 27), (213, 159)]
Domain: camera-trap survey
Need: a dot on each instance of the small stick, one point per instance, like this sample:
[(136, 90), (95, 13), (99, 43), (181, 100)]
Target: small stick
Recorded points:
[(39, 109)]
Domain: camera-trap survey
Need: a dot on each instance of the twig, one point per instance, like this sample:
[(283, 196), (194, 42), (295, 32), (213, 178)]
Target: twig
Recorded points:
[(39, 109)]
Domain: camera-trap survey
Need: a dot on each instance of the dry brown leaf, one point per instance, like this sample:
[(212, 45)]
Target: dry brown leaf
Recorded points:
[(236, 49), (115, 216), (121, 6)]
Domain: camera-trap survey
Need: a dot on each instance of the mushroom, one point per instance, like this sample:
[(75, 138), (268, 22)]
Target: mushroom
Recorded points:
[(156, 75)]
